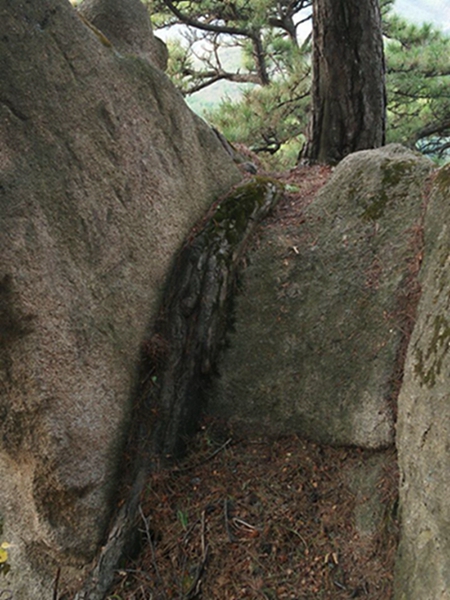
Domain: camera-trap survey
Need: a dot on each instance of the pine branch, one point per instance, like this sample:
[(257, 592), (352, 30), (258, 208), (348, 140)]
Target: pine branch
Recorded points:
[(187, 20), (207, 78)]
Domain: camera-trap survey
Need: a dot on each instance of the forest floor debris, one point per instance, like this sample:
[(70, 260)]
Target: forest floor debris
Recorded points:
[(244, 516)]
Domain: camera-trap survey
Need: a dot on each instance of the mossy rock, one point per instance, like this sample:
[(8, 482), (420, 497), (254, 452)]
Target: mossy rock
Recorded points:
[(423, 429), (319, 331)]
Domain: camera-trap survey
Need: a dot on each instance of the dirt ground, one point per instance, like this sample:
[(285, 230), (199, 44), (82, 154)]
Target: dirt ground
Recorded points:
[(250, 517), (247, 517)]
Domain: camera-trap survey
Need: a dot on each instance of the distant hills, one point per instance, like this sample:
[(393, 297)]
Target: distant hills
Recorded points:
[(426, 11)]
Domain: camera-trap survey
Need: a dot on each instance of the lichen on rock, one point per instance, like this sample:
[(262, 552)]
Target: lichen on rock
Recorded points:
[(195, 311), (319, 331), (423, 428)]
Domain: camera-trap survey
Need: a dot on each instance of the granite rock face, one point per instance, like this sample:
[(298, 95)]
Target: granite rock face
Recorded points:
[(126, 24), (104, 170), (423, 431), (319, 323)]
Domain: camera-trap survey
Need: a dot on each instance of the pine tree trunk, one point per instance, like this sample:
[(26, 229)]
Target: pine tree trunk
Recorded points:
[(349, 99)]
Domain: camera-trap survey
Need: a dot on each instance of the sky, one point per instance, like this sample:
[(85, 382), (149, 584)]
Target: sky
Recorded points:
[(417, 11), (430, 11)]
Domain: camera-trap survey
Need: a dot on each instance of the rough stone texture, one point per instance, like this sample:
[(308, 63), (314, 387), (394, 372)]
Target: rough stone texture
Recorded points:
[(365, 481), (103, 172), (423, 431), (126, 24), (319, 323), (179, 355), (196, 307)]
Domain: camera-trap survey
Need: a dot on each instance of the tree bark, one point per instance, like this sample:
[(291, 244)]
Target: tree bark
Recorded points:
[(349, 99)]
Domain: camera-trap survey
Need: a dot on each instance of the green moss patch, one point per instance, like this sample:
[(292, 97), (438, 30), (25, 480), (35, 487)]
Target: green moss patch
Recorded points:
[(428, 367)]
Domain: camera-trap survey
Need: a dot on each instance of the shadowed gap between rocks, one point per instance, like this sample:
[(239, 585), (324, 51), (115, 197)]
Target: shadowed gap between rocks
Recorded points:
[(178, 357)]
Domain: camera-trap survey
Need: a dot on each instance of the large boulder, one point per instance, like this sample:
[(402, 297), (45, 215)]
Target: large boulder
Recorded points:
[(126, 25), (103, 172), (423, 565), (322, 316)]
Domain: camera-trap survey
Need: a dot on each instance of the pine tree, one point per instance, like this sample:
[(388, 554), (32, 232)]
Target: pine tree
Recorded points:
[(272, 117), (348, 90)]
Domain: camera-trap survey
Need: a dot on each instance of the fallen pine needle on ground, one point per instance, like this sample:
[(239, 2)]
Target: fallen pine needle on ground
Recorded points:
[(259, 518)]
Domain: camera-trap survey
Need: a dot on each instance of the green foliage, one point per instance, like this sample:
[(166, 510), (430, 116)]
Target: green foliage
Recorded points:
[(263, 30), (418, 83), (234, 13), (271, 113), (179, 61), (269, 119), (183, 518)]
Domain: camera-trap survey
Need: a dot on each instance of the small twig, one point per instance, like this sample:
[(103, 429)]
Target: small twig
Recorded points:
[(152, 548), (242, 523), (339, 585), (203, 533), (207, 459), (56, 584), (189, 530), (299, 535), (144, 595), (227, 524), (194, 590)]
